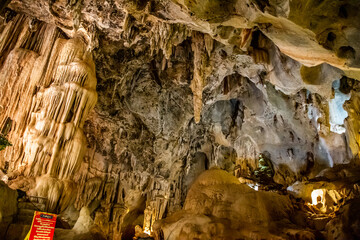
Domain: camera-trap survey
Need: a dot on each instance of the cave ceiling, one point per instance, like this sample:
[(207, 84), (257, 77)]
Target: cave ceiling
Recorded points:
[(114, 108)]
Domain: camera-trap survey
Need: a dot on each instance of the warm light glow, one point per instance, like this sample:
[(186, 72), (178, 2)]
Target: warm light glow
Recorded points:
[(147, 231), (318, 196), (254, 186), (5, 179)]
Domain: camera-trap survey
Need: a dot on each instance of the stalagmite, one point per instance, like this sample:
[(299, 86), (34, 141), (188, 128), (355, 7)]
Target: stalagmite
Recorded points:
[(161, 198)]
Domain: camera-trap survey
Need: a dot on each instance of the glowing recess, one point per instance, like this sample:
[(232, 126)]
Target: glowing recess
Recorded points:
[(318, 196)]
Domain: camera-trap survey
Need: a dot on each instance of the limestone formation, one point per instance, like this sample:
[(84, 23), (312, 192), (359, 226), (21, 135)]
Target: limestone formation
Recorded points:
[(137, 118), (218, 206)]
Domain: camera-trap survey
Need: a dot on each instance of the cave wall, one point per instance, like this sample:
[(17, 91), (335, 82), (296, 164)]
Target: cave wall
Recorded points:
[(119, 105)]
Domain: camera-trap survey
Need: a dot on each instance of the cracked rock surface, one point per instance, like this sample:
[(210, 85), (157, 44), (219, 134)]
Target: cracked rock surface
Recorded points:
[(154, 113)]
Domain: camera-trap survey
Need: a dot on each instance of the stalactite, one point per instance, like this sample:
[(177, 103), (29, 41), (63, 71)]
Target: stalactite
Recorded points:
[(259, 50), (199, 78), (54, 137), (31, 52), (50, 89), (352, 124), (128, 23), (209, 44), (246, 37), (92, 190), (164, 36)]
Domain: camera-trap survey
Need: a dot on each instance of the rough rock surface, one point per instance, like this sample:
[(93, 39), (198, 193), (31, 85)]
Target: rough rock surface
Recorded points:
[(119, 105), (217, 206), (8, 207)]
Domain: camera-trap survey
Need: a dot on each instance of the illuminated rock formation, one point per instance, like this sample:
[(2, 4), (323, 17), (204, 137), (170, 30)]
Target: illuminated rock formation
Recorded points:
[(217, 205), (115, 107), (56, 91)]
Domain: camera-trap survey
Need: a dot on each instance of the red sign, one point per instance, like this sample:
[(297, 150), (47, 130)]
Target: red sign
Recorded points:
[(43, 226)]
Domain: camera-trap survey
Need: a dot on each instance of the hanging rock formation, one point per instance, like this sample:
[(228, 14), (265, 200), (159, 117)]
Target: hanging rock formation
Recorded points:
[(151, 115), (55, 82)]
